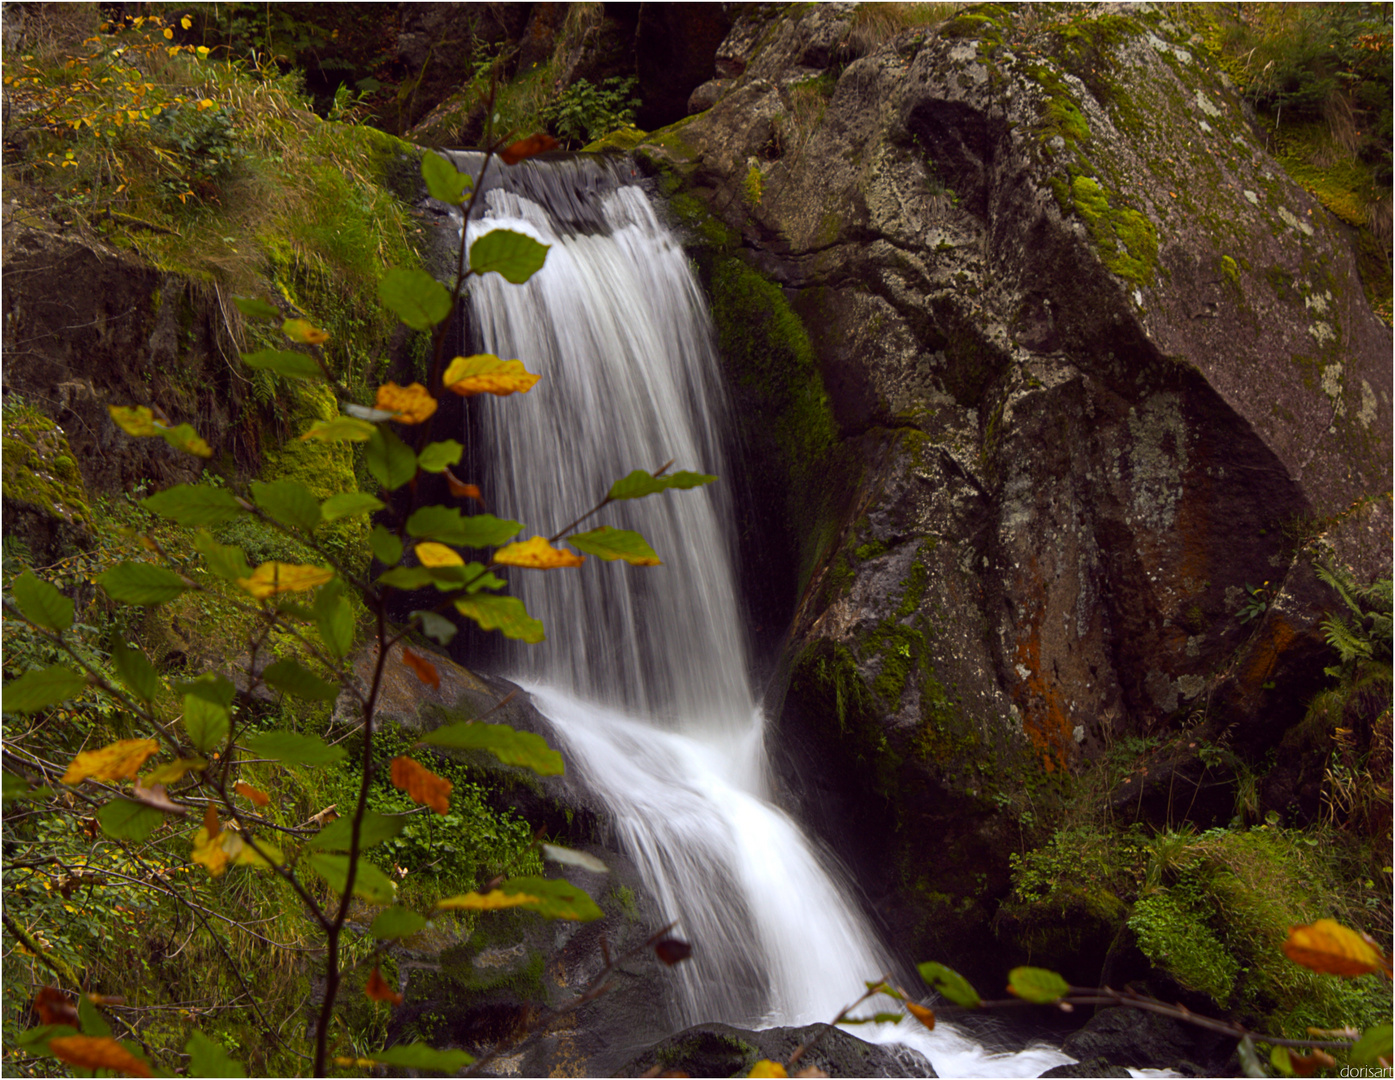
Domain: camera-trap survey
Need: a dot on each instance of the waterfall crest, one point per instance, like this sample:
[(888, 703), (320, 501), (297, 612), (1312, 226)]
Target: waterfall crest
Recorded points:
[(645, 672)]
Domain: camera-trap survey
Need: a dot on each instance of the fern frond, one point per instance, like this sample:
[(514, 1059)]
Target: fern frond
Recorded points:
[(1349, 643), (1341, 584)]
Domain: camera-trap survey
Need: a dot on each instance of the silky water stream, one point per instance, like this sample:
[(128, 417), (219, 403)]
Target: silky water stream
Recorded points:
[(644, 673)]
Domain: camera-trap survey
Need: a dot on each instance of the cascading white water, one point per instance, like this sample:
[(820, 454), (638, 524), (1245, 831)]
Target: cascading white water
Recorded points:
[(644, 672)]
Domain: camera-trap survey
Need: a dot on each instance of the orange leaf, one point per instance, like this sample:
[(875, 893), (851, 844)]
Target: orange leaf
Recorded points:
[(526, 148), (53, 1007), (431, 553), (210, 821), (461, 490), (378, 989), (537, 554), (921, 1013), (423, 785), (90, 1052), (1330, 948), (118, 761), (486, 374), (1308, 1064), (425, 669), (412, 404), (261, 798), (215, 852), (278, 577)]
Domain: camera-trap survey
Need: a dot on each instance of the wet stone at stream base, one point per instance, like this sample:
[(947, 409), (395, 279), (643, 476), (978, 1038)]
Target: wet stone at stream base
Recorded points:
[(719, 1050)]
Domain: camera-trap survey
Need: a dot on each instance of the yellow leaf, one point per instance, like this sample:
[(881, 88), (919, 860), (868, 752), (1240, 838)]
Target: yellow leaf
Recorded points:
[(92, 1052), (303, 330), (537, 554), (186, 22), (247, 855), (172, 771), (202, 50), (119, 761), (278, 577), (214, 852), (134, 421), (172, 50), (412, 404), (168, 32), (1330, 948), (433, 554), (206, 103), (486, 374), (767, 1068), (473, 901)]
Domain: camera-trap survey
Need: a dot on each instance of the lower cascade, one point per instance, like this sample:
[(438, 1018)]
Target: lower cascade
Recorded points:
[(645, 673)]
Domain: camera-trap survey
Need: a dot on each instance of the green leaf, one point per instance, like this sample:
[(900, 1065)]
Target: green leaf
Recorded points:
[(335, 619), (1278, 1057), (141, 583), (206, 721), (215, 689), (256, 309), (41, 603), (611, 544), (134, 669), (421, 1056), (348, 504), (479, 578), (513, 255), (439, 456), (293, 749), (508, 745), (340, 429), (878, 1018), (1374, 1043), (406, 577), (35, 690), (291, 365), (1250, 1064), (396, 922), (290, 678), (386, 547), (415, 297), (370, 883), (375, 829), (390, 461), (950, 985), (226, 561), (35, 1040), (208, 1058), (443, 180), (194, 504), (125, 819), (503, 613), (91, 1020), (17, 787), (552, 898), (449, 526), (640, 483), (572, 857), (437, 627), (289, 503), (1037, 985)]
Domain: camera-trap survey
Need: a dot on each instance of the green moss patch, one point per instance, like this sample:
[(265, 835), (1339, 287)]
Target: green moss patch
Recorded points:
[(1124, 238), (39, 468)]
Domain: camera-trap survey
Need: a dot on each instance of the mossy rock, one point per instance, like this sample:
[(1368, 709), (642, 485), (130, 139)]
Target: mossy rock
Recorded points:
[(46, 504)]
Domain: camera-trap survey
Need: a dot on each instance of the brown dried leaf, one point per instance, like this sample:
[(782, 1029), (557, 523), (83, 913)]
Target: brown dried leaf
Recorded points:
[(378, 989), (259, 797), (155, 796), (526, 148), (462, 490), (921, 1013), (423, 785), (426, 672), (671, 951), (91, 1052), (53, 1007)]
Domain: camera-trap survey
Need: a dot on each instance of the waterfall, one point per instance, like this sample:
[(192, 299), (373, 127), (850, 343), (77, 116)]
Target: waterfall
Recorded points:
[(644, 673)]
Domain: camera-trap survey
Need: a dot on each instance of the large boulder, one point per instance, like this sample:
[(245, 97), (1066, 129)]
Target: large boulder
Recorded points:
[(1093, 369)]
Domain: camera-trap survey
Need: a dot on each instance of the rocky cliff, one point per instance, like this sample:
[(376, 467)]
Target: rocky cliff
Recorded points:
[(1083, 368)]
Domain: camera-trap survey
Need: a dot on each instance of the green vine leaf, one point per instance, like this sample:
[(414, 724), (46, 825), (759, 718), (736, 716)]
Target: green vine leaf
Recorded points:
[(35, 690), (513, 255), (415, 297), (41, 603), (503, 613), (291, 365)]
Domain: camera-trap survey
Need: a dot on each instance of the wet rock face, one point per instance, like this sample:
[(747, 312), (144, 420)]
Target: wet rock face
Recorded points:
[(1101, 366)]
